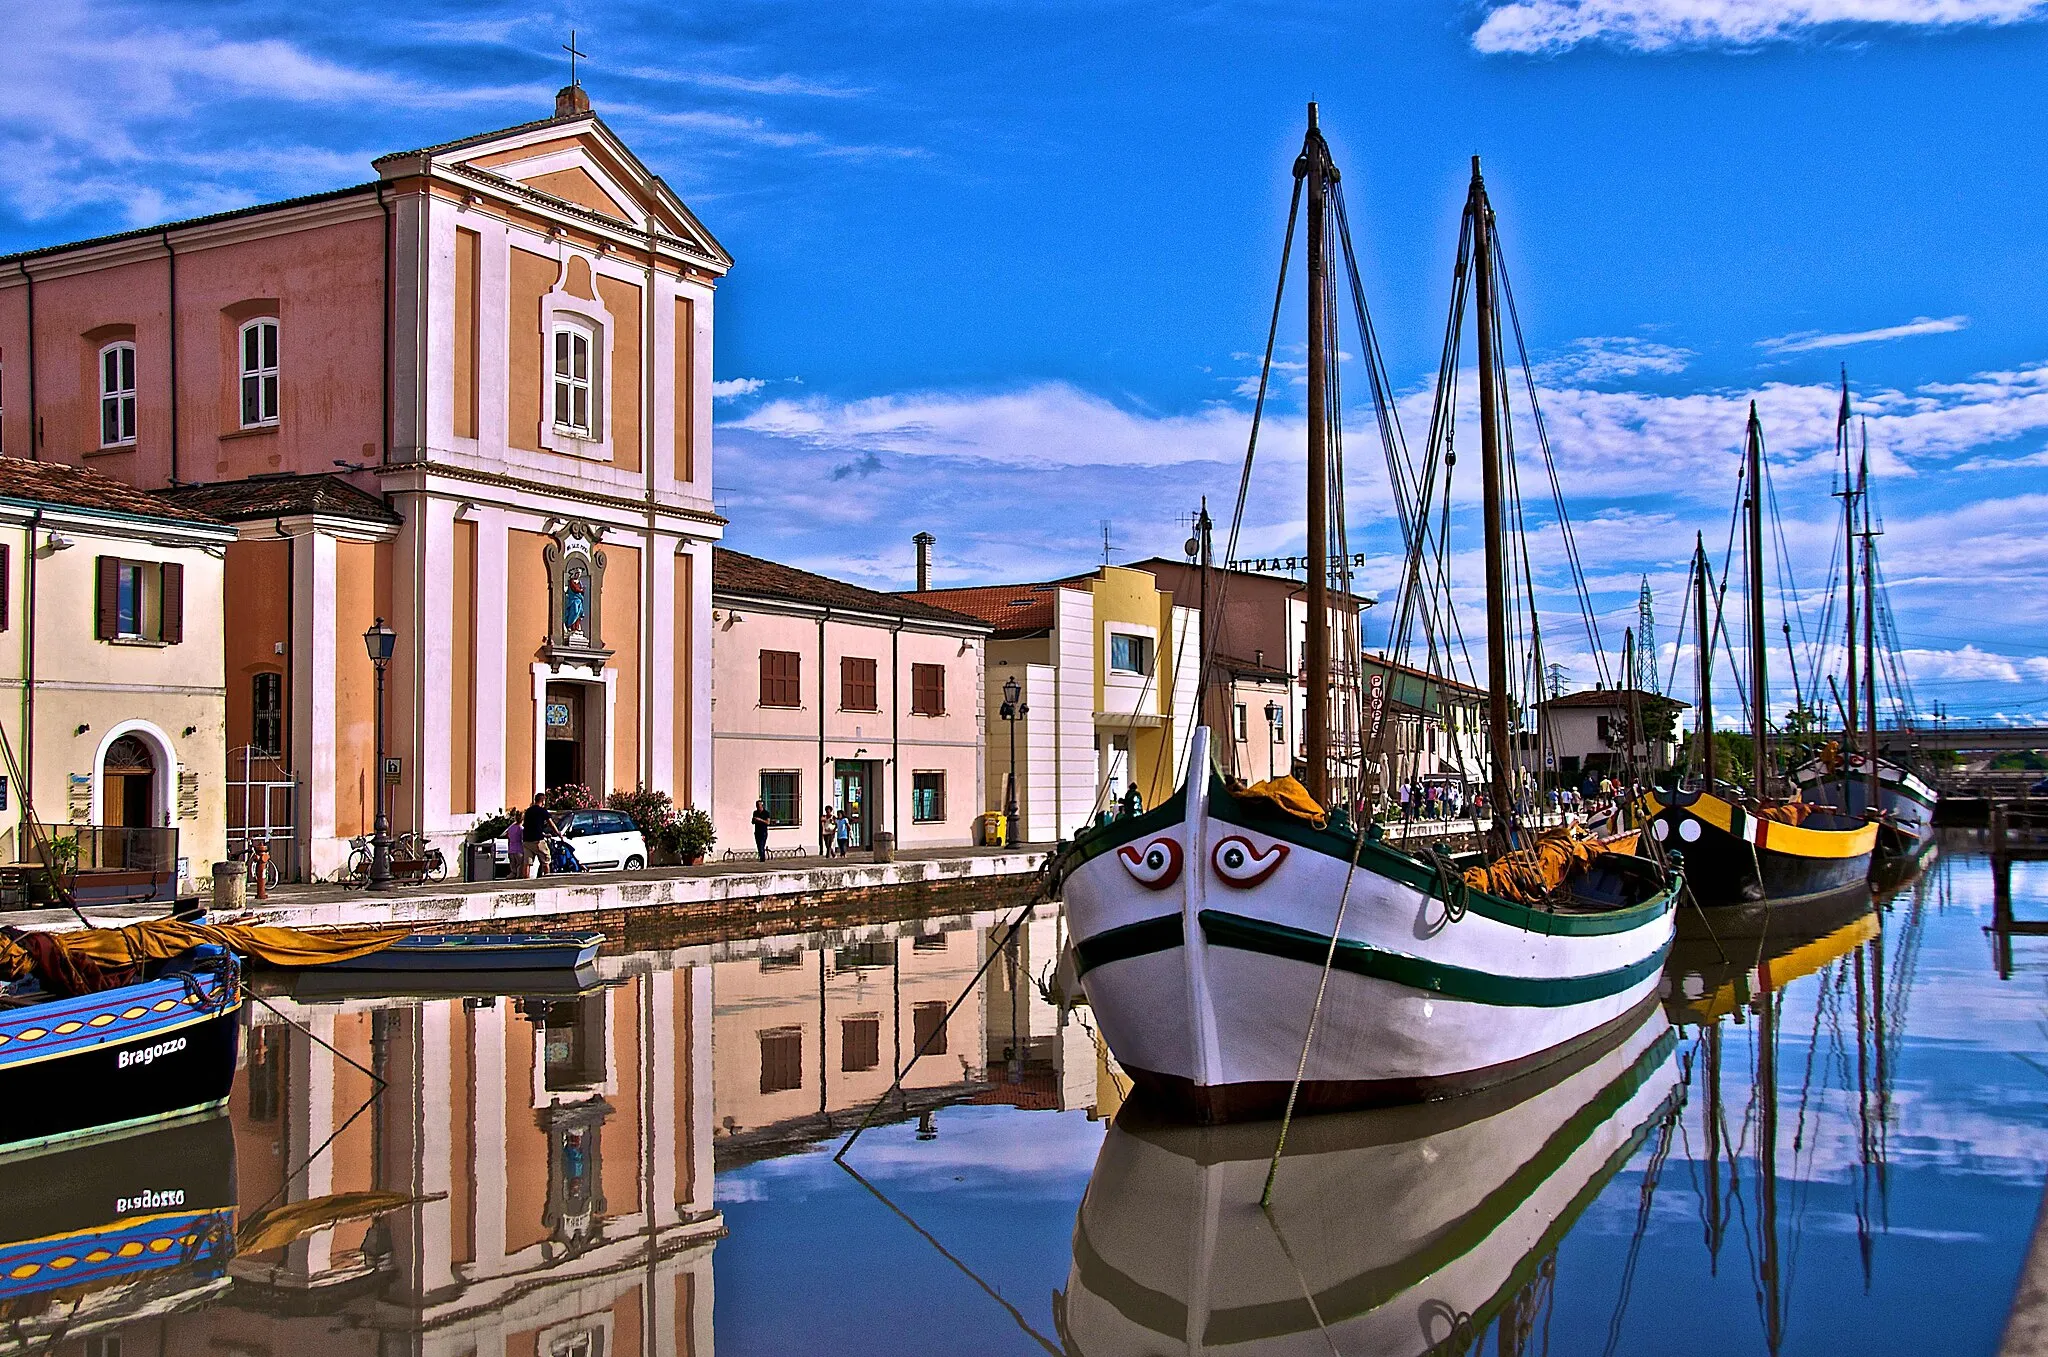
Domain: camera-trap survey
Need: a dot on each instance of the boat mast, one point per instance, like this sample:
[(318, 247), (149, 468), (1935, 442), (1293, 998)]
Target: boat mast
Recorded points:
[(1480, 213), (1870, 801), (1315, 164), (1706, 654), (1767, 1152), (1759, 677), (1850, 723)]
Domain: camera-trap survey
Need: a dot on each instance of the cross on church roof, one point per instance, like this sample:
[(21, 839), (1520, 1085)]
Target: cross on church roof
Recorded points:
[(570, 48)]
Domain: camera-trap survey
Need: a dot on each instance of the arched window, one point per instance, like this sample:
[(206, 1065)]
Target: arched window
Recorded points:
[(259, 373), (573, 372), (129, 754), (117, 395)]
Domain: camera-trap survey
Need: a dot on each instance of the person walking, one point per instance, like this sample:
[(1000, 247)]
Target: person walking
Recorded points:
[(842, 833), (761, 830), (534, 827), (828, 830)]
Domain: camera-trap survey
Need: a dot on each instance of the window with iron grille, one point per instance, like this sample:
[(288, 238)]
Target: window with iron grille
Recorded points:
[(856, 684), (928, 689), (782, 674), (928, 1024), (927, 798), (266, 714), (782, 1059), (860, 1042), (779, 791)]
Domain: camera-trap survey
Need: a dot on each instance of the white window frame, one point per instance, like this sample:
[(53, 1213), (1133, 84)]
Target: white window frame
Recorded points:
[(264, 375), (569, 384), (136, 575), (116, 397)]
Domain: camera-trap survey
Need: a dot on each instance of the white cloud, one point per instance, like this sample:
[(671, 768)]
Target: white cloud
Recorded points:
[(1970, 664), (734, 387), (1605, 358), (2032, 459), (1539, 27), (1807, 340)]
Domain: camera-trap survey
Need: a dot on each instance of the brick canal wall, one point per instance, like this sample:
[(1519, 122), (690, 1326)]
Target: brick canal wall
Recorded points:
[(637, 912)]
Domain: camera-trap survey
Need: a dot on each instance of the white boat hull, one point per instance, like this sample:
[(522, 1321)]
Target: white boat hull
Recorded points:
[(1201, 932), (1402, 1231)]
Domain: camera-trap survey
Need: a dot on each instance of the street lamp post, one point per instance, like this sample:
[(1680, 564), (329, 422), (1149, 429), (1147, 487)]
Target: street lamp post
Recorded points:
[(1273, 715), (1013, 710), (380, 640)]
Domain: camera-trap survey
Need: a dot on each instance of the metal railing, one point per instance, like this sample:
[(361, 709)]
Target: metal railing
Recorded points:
[(104, 848)]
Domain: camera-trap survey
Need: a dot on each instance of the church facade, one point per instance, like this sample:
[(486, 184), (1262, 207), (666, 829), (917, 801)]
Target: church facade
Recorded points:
[(470, 397)]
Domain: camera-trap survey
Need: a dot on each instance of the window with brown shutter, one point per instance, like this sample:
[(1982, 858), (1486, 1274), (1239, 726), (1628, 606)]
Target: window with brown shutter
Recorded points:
[(6, 581), (928, 1024), (782, 1059), (856, 684), (782, 678), (928, 689), (171, 604), (106, 622), (860, 1042)]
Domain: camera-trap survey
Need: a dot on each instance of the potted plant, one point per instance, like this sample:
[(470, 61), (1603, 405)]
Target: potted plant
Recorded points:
[(654, 815), (694, 835)]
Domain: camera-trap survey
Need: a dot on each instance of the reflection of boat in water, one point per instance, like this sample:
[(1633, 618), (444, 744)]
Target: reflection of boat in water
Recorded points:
[(1391, 1231), (111, 1224), (1747, 980)]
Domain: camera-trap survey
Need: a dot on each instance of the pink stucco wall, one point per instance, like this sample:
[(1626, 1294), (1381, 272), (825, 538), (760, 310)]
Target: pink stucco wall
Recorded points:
[(324, 285), (748, 738)]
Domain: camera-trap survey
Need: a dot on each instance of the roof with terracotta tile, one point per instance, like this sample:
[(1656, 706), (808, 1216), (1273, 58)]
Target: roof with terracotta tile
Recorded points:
[(77, 487), (1606, 698), (734, 573), (1012, 609), (282, 497)]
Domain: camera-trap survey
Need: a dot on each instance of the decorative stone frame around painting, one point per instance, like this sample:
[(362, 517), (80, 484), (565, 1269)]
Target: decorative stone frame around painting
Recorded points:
[(575, 570)]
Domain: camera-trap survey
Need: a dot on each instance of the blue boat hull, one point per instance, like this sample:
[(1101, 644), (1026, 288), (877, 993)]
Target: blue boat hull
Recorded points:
[(480, 952)]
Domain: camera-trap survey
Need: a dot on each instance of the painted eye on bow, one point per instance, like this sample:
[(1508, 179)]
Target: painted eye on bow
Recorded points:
[(1156, 865), (1241, 864)]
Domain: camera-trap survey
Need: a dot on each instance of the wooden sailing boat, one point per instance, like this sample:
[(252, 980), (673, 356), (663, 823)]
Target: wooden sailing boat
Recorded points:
[(1209, 929), (1853, 775), (1463, 1204), (1752, 849)]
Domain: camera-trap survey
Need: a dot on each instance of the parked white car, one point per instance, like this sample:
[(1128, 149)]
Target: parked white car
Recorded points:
[(603, 840)]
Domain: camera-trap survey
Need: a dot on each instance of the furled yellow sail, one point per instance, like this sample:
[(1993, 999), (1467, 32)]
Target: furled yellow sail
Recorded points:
[(1531, 875), (117, 949), (1288, 796)]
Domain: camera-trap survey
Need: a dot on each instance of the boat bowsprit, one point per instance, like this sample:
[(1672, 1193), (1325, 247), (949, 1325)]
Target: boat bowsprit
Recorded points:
[(1201, 930)]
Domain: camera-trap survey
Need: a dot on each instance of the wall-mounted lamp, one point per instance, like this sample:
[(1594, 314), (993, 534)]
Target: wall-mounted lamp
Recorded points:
[(83, 726), (59, 542), (465, 509), (191, 730)]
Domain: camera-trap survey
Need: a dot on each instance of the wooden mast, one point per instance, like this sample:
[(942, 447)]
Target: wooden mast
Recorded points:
[(1706, 658), (1850, 723), (1499, 717), (1315, 163), (1871, 802), (1759, 673)]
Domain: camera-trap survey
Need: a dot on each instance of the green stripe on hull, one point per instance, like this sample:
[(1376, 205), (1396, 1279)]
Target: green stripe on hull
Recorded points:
[(1138, 939), (1368, 1291), (1453, 982)]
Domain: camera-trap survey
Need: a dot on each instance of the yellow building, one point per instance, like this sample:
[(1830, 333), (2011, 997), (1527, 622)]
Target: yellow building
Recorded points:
[(110, 623), (1106, 664)]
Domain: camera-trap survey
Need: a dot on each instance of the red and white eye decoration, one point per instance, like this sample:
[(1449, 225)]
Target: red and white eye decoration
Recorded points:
[(1241, 864), (1156, 866)]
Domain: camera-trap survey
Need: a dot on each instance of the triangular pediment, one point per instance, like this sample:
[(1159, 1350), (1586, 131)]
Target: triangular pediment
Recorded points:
[(579, 162)]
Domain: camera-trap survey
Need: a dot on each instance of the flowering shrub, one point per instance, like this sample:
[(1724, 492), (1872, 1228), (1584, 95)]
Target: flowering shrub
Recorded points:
[(569, 796)]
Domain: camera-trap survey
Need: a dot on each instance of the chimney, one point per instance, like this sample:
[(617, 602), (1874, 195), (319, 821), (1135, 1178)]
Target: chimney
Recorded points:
[(924, 542), (570, 101)]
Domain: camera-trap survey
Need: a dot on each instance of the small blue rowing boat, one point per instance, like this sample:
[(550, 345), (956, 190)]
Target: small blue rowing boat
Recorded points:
[(473, 952)]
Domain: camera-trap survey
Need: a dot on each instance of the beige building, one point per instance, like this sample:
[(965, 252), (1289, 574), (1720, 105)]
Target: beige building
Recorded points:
[(110, 602), (824, 693)]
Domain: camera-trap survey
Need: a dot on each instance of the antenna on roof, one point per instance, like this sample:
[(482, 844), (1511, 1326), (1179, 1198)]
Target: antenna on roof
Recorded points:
[(1105, 540)]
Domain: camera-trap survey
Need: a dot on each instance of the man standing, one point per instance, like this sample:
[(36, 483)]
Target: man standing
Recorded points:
[(761, 830), (534, 828)]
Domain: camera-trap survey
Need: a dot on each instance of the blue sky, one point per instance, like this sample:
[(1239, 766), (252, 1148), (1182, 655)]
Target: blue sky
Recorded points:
[(999, 266)]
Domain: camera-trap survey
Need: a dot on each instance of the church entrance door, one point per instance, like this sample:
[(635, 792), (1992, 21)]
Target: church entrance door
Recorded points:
[(564, 727)]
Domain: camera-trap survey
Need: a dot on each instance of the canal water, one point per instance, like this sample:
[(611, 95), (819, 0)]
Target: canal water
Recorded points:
[(1827, 1139)]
